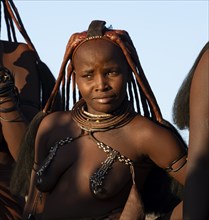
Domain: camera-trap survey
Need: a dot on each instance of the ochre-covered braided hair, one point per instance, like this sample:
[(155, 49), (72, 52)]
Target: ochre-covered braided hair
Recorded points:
[(138, 88)]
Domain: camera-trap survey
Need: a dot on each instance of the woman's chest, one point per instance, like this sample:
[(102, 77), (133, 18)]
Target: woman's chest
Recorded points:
[(94, 163)]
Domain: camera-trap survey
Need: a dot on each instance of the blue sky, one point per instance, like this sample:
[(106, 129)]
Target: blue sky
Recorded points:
[(168, 35)]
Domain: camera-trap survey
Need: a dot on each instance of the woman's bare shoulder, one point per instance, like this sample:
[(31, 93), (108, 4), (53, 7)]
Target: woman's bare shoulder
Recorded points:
[(145, 126), (143, 130), (53, 127), (54, 121), (154, 137)]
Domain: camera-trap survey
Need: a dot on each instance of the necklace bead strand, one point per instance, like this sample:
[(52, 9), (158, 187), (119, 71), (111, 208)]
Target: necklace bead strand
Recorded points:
[(104, 122)]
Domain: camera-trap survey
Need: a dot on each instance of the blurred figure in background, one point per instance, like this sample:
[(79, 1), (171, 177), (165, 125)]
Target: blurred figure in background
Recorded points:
[(23, 93), (191, 111)]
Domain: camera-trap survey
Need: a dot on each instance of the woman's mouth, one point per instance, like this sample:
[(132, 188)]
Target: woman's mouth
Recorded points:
[(104, 100)]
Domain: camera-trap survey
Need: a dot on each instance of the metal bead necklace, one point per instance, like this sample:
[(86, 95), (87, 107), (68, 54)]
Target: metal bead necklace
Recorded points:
[(91, 122)]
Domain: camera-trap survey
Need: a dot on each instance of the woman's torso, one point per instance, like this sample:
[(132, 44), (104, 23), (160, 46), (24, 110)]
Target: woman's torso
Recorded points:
[(67, 179)]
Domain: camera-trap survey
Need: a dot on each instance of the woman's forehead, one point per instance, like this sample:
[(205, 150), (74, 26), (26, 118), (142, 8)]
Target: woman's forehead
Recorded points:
[(97, 45)]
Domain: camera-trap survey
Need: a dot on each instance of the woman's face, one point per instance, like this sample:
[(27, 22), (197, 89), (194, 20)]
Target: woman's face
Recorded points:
[(101, 75)]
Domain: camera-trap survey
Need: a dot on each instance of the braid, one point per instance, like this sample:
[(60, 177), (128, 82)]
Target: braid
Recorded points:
[(134, 93), (11, 14)]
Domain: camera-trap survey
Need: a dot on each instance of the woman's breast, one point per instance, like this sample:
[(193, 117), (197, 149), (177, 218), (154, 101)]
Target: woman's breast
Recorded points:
[(71, 172), (92, 166), (73, 189)]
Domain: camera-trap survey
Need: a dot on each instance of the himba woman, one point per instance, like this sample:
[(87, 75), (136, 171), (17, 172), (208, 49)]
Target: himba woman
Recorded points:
[(191, 111), (94, 161), (22, 94)]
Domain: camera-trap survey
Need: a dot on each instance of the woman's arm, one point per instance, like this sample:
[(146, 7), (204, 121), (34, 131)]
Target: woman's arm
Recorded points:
[(18, 109), (167, 151)]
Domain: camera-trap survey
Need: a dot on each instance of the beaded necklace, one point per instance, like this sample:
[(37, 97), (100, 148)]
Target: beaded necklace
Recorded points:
[(91, 122)]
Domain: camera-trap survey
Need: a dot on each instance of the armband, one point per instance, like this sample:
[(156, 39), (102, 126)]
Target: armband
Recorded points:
[(170, 167)]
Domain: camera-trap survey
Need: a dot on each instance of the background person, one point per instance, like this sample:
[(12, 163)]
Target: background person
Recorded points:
[(191, 111), (22, 95)]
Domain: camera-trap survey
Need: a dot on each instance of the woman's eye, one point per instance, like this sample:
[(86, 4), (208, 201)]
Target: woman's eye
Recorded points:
[(113, 73), (87, 75)]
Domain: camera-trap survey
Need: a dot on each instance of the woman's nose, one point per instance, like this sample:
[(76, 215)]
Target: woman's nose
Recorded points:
[(101, 83)]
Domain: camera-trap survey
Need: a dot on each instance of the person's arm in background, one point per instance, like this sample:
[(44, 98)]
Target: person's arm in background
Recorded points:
[(196, 198), (17, 110)]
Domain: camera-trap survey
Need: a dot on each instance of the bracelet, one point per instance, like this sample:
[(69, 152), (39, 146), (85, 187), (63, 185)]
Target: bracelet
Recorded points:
[(17, 119), (170, 167), (8, 90), (13, 98), (6, 81)]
